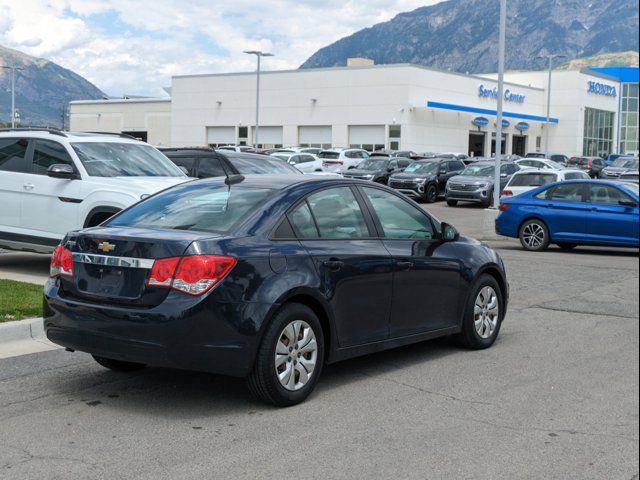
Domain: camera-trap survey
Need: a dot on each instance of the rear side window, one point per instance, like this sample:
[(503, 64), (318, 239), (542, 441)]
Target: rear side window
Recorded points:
[(210, 167), (12, 153), (203, 208), (187, 162), (532, 179), (337, 214), (571, 192), (47, 153), (302, 222)]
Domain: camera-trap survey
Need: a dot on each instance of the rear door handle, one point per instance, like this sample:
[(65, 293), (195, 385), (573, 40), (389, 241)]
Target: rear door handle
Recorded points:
[(333, 264), (405, 265), (28, 186)]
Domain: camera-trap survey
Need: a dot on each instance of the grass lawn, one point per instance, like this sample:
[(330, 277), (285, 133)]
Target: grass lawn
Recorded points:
[(19, 300)]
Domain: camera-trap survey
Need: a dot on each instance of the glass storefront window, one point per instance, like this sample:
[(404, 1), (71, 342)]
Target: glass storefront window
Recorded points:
[(629, 118), (598, 132)]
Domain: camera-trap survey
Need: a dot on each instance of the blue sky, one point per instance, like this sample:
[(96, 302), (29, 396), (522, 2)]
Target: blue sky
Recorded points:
[(134, 47)]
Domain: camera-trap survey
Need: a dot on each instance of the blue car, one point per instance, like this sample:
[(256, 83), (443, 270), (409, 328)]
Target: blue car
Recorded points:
[(572, 213)]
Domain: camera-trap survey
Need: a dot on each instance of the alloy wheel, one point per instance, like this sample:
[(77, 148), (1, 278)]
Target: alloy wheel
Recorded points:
[(486, 312), (296, 355), (533, 235)]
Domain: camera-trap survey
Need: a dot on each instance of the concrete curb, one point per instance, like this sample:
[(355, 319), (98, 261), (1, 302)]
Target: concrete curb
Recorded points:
[(23, 336)]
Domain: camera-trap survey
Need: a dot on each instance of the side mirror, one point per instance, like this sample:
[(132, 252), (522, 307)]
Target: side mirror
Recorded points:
[(628, 203), (449, 233), (61, 170)]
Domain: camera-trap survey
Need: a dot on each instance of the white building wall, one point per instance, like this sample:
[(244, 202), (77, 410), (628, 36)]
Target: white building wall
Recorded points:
[(569, 98), (124, 115), (338, 98)]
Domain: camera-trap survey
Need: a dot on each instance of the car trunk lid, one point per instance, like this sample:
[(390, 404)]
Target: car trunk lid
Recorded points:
[(111, 265)]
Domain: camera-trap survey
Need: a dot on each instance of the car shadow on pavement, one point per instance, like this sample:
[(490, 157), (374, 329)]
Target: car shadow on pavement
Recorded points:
[(189, 396), (600, 251)]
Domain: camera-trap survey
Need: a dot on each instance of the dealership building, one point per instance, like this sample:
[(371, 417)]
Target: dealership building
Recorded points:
[(409, 107)]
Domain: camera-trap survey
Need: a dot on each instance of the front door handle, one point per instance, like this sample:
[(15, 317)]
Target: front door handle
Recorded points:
[(28, 186), (333, 264), (404, 265)]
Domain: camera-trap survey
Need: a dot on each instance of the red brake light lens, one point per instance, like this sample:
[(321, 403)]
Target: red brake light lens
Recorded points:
[(162, 272), (61, 263), (506, 193), (193, 275), (503, 207)]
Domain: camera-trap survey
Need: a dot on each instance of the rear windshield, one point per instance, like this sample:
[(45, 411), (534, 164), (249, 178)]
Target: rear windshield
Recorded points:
[(108, 159), (266, 165), (532, 179), (329, 154), (203, 208)]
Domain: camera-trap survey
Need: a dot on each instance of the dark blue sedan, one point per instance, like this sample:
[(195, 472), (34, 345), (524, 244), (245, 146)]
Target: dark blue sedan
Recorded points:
[(572, 213), (269, 278)]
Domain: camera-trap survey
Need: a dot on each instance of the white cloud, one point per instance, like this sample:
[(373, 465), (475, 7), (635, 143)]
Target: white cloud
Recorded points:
[(155, 39)]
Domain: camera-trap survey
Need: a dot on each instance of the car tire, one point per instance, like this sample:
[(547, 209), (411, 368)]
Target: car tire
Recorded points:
[(452, 203), (118, 365), (567, 246), (483, 314), (271, 378), (534, 235), (431, 194), (489, 201)]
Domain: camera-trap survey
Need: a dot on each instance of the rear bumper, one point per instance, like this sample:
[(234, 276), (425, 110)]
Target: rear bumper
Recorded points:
[(182, 333)]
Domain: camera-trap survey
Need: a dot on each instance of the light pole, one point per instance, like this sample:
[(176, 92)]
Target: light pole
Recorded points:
[(501, 42), (258, 55), (13, 69), (550, 58)]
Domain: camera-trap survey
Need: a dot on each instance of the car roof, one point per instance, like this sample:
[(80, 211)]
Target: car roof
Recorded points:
[(279, 181), (55, 134)]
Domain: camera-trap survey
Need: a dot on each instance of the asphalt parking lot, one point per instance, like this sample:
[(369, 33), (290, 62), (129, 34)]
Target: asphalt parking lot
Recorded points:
[(556, 397)]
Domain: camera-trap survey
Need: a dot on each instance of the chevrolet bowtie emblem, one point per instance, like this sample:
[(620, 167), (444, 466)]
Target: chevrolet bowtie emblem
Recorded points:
[(106, 247)]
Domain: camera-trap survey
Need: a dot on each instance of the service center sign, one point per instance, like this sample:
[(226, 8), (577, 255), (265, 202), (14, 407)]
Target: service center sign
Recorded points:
[(601, 89), (509, 96)]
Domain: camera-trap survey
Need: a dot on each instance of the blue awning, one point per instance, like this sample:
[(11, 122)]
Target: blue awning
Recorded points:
[(486, 111)]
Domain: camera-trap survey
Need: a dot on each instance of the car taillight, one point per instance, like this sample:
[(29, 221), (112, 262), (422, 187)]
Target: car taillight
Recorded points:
[(193, 274), (332, 162), (61, 263), (588, 164), (506, 193), (503, 207)]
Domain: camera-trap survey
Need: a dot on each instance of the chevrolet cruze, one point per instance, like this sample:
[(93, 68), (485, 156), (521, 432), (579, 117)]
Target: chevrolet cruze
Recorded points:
[(269, 278)]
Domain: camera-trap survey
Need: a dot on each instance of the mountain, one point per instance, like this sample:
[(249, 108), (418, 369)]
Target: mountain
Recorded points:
[(462, 35), (43, 89), (616, 59)]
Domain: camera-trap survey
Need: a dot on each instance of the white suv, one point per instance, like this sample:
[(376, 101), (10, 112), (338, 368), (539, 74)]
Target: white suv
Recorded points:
[(52, 182), (340, 160)]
